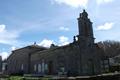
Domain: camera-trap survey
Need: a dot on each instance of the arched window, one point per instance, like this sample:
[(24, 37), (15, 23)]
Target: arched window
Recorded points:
[(46, 67), (22, 67), (35, 67), (39, 68)]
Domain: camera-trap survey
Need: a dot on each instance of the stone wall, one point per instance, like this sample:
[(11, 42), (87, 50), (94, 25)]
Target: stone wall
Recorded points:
[(19, 60), (74, 59)]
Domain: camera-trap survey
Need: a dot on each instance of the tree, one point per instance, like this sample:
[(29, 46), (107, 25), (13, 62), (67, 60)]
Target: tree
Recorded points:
[(111, 48)]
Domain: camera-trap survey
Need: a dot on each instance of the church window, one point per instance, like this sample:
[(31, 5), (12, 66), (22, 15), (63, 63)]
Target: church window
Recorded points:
[(46, 67), (39, 68), (35, 67), (106, 66), (4, 66), (62, 69), (22, 67)]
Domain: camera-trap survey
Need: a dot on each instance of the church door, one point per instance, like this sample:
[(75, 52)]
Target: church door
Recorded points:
[(91, 67), (50, 67)]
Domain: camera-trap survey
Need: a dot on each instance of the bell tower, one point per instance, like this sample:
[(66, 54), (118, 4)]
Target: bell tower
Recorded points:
[(85, 28)]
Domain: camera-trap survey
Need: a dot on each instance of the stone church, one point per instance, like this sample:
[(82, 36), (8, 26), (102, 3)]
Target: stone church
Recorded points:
[(81, 57)]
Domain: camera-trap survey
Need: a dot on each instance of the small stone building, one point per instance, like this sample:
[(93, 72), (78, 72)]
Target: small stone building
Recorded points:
[(81, 57)]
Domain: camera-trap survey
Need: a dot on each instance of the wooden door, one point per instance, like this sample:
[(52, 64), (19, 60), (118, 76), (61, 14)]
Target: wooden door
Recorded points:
[(50, 67)]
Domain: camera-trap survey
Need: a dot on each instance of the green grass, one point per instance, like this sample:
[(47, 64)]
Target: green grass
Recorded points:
[(15, 78), (24, 78)]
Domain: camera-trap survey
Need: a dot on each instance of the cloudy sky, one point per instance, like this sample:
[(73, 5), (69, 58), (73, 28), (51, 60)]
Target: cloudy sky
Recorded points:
[(23, 22)]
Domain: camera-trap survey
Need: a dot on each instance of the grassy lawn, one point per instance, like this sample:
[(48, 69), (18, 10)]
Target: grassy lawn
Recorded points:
[(24, 78)]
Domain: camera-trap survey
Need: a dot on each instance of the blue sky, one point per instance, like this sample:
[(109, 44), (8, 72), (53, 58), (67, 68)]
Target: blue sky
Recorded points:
[(23, 22)]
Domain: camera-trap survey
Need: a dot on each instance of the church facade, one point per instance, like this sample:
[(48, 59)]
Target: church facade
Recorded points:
[(81, 57)]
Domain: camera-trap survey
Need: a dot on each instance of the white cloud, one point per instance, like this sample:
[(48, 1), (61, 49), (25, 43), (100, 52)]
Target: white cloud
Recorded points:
[(73, 3), (8, 37), (64, 28), (2, 28), (4, 55), (13, 48), (63, 40), (46, 43), (106, 26), (103, 1)]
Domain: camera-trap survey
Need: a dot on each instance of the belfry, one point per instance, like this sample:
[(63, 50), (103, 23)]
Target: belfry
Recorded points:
[(85, 28)]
